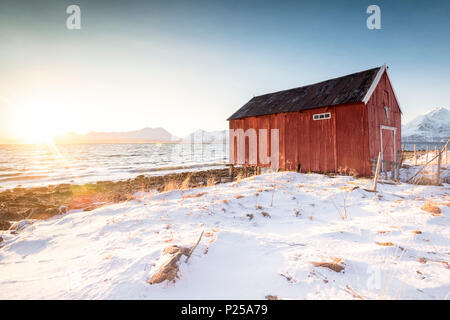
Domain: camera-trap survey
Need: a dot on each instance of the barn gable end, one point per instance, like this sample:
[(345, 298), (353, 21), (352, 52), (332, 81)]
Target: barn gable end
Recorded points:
[(382, 121)]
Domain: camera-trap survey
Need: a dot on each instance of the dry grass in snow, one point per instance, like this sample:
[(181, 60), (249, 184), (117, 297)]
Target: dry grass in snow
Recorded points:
[(274, 236), (431, 207)]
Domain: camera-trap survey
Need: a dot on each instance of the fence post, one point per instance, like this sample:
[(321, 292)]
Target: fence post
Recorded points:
[(426, 157), (398, 165), (446, 159), (438, 172), (393, 167), (415, 156)]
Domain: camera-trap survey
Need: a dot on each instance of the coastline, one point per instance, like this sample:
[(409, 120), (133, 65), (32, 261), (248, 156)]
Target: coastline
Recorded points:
[(307, 235), (44, 202)]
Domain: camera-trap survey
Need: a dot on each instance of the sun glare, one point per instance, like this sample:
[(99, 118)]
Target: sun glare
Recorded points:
[(37, 121)]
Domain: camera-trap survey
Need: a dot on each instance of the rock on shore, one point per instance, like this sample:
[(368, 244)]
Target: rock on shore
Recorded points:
[(44, 202)]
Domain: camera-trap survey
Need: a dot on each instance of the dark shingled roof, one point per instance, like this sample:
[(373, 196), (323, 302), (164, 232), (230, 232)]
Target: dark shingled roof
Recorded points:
[(347, 89)]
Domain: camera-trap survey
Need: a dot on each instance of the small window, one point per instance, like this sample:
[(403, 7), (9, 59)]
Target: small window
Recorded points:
[(322, 116), (386, 108)]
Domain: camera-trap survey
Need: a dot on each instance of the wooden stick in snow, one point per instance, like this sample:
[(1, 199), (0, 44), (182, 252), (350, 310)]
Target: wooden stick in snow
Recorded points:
[(375, 179), (193, 248), (354, 293)]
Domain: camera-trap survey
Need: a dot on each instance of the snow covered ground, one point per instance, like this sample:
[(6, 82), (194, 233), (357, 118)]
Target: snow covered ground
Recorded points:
[(265, 235)]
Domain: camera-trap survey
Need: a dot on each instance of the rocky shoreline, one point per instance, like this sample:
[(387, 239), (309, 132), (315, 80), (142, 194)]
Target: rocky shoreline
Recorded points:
[(45, 202)]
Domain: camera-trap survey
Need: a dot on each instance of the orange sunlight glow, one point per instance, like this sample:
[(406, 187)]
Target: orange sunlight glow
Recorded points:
[(36, 120)]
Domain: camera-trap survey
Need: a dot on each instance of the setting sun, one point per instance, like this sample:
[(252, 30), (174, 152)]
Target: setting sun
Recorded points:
[(212, 151), (37, 119)]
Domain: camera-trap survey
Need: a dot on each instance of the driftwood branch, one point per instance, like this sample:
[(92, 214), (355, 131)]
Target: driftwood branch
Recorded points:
[(375, 178), (354, 293), (193, 248)]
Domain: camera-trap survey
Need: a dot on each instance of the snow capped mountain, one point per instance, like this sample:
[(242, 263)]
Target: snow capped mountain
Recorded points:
[(202, 136), (433, 126)]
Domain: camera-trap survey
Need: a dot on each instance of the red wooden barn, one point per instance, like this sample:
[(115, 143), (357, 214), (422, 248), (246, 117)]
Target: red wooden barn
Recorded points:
[(338, 125)]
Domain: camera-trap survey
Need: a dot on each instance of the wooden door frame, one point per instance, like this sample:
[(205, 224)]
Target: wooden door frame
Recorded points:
[(381, 140)]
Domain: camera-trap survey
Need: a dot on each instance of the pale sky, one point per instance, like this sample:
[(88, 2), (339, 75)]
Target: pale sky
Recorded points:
[(188, 65)]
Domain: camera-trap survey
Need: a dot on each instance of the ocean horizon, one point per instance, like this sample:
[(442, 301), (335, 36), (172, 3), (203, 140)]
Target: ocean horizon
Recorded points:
[(32, 165)]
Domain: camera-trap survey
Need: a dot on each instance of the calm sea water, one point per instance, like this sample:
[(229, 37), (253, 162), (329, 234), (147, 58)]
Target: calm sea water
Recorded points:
[(41, 165)]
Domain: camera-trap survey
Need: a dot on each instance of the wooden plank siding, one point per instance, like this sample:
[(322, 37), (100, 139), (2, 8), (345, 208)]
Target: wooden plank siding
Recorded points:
[(330, 145), (382, 96), (344, 143), (352, 139)]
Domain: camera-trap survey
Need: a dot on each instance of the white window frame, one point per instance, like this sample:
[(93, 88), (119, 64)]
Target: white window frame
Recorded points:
[(326, 115)]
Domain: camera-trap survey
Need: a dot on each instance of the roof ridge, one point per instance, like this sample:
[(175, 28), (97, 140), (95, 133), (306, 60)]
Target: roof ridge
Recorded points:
[(349, 88), (374, 84), (316, 83)]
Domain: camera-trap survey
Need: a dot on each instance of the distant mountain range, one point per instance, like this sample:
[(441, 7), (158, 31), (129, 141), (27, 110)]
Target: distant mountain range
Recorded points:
[(433, 126), (202, 136), (143, 135), (146, 135)]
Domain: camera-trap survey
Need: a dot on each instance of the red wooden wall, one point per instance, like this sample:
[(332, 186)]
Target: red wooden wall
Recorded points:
[(383, 96), (344, 143), (338, 144)]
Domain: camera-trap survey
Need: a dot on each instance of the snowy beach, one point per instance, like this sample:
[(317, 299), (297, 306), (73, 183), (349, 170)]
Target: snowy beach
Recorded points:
[(280, 235)]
